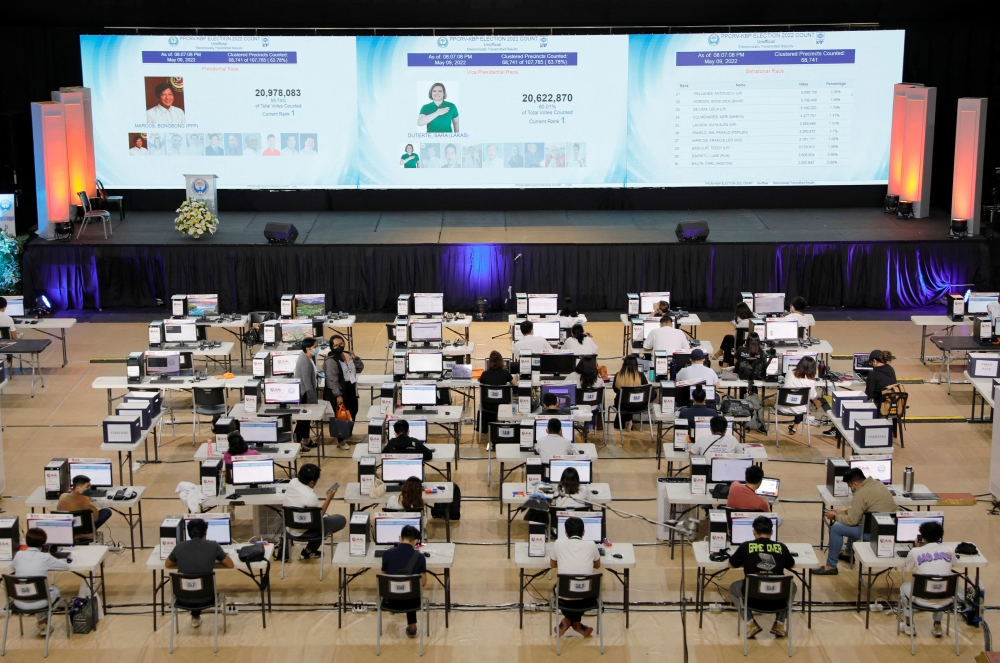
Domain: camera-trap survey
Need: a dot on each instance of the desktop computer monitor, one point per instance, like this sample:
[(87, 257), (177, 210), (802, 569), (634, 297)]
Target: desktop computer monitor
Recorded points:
[(741, 526), (418, 393), (557, 363), (768, 302), (862, 363), (293, 332), (566, 393), (648, 325), (219, 526), (310, 306), (58, 528), (581, 464), (908, 524), (703, 430), (259, 431), (253, 471), (283, 363), (647, 300), (15, 306), (180, 331), (543, 304), (163, 363), (424, 362), (781, 330), (592, 521), (789, 362), (565, 427), (98, 471), (428, 303), (876, 467), (975, 302), (199, 305), (418, 428), (388, 526), (728, 470), (281, 392), (547, 329), (426, 331), (682, 392), (398, 470)]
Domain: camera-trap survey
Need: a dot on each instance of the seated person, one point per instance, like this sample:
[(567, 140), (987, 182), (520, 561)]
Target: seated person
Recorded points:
[(744, 497), (536, 345), (300, 494), (697, 369), (574, 556), (719, 442), (554, 444), (495, 375), (550, 405), (881, 376), (666, 338), (801, 377), (409, 498), (660, 309), (797, 308), (587, 376), (928, 557), (740, 321), (628, 375), (567, 490), (404, 559), (197, 555), (237, 447), (402, 443), (33, 562), (580, 342), (77, 500), (762, 556), (869, 496), (697, 407)]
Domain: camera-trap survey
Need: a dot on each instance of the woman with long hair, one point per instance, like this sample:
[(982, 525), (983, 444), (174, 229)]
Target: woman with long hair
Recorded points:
[(579, 342), (410, 497), (801, 377), (587, 376), (628, 375), (495, 375), (568, 488), (740, 321)]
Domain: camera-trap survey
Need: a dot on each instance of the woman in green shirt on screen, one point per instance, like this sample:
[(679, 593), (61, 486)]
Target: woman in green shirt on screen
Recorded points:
[(439, 116), (409, 159)]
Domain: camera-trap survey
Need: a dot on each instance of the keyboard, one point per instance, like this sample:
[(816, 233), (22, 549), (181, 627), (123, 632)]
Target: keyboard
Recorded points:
[(267, 449), (264, 490), (393, 487), (283, 411), (165, 381), (97, 492), (921, 497), (902, 553), (420, 411), (379, 553)]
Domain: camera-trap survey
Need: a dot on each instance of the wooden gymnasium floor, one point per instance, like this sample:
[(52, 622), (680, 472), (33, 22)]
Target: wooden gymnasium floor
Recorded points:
[(64, 418)]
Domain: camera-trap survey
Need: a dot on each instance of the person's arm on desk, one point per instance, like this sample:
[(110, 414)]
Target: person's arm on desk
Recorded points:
[(223, 558)]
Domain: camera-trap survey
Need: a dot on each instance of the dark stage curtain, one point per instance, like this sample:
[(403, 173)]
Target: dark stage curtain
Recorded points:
[(357, 278)]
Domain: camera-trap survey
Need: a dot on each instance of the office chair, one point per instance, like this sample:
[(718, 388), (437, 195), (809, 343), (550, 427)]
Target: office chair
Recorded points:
[(195, 592), (766, 588), (789, 397), (90, 213), (585, 591), (401, 588), (210, 402), (105, 199), (932, 588), (32, 588), (307, 518)]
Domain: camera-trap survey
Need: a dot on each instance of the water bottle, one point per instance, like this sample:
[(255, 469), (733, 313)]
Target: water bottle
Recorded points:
[(908, 479)]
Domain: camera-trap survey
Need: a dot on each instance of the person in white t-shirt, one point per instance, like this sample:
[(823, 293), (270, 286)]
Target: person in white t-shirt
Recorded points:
[(666, 338), (719, 442), (801, 377), (300, 493), (554, 444), (580, 342), (574, 556), (928, 557), (697, 370), (535, 344), (798, 311)]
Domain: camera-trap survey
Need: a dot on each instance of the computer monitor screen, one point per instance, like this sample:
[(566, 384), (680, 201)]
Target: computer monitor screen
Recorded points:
[(418, 428), (768, 487), (203, 305), (428, 303), (424, 362), (789, 362), (58, 528), (703, 430), (283, 363), (648, 325), (418, 393), (99, 473), (876, 467), (565, 427), (257, 470), (908, 524), (727, 470), (566, 393), (398, 470), (163, 363), (683, 391), (281, 391), (308, 306), (15, 306), (647, 300), (862, 362), (975, 303), (543, 304), (742, 527), (547, 329), (389, 527), (552, 363), (591, 524), (781, 330), (259, 431), (180, 331), (768, 302), (426, 330), (559, 465), (219, 526), (293, 332)]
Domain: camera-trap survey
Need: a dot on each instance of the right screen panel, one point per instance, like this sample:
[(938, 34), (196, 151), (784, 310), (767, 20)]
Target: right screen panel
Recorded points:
[(761, 109)]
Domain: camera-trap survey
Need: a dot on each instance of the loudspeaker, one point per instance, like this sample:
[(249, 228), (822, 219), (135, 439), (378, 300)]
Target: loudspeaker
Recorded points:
[(692, 231), (280, 233)]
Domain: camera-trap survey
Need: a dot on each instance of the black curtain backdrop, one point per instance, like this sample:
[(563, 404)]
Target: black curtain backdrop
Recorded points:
[(357, 278)]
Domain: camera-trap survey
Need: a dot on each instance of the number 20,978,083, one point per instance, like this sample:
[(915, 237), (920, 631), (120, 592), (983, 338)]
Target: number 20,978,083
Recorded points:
[(261, 92)]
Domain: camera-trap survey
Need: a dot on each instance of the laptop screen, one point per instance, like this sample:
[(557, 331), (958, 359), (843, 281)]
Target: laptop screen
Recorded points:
[(768, 487)]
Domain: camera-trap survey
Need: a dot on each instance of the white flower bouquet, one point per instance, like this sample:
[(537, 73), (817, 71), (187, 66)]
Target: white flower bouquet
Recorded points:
[(194, 219)]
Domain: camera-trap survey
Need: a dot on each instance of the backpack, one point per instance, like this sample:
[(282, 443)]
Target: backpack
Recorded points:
[(453, 509), (884, 405), (758, 421)]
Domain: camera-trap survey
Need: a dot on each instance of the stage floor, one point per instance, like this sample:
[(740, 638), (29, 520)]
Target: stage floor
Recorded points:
[(535, 227)]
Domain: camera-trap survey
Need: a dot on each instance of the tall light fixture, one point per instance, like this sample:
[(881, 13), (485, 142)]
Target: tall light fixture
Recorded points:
[(912, 145), (970, 145), (48, 124)]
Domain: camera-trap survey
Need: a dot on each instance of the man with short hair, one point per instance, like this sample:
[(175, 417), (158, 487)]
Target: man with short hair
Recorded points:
[(698, 408), (797, 311), (402, 443), (535, 344), (197, 555), (928, 557), (762, 556), (164, 112), (33, 562), (666, 338), (719, 442), (404, 559), (697, 369), (300, 494), (78, 500), (869, 496), (550, 404), (576, 557), (744, 497), (554, 444)]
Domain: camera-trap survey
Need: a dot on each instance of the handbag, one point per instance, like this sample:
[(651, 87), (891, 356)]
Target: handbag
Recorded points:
[(342, 425), (378, 488), (251, 553), (733, 407)]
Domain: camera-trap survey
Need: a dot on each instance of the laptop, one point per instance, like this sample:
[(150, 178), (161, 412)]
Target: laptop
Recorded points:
[(769, 489)]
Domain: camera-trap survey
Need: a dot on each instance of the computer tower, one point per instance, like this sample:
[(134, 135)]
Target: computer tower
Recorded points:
[(135, 367), (523, 401), (262, 364), (376, 430), (179, 306), (156, 335), (637, 333), (10, 537), (757, 326), (536, 539), (398, 365), (154, 398), (387, 398), (56, 478), (272, 333), (956, 307), (701, 467), (319, 326), (882, 530), (403, 303), (532, 473), (359, 534), (222, 427), (984, 364), (982, 329), (122, 428), (526, 436), (661, 365), (718, 530), (633, 303), (873, 433), (668, 397), (213, 477), (681, 435), (402, 333), (521, 303), (853, 411), (171, 533), (841, 396), (251, 396), (835, 469), (136, 407), (747, 298), (287, 306), (366, 473)]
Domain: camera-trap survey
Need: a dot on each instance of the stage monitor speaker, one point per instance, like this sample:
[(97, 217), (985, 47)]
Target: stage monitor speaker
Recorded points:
[(280, 233), (692, 231)]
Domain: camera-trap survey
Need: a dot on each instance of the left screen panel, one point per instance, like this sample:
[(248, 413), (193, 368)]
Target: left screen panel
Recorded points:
[(259, 112)]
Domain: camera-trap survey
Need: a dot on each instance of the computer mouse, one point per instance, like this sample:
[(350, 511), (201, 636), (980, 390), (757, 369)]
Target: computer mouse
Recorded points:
[(593, 492), (580, 451), (427, 554), (617, 556), (440, 487)]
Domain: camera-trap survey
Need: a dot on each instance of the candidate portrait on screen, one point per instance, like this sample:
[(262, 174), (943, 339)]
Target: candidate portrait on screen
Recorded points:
[(165, 100), (409, 158), (430, 155), (533, 154), (578, 155), (155, 145), (137, 145), (472, 156), (272, 147), (196, 145), (214, 147), (251, 145), (451, 156), (309, 142), (492, 158), (234, 145), (440, 115), (514, 157), (174, 146), (289, 145)]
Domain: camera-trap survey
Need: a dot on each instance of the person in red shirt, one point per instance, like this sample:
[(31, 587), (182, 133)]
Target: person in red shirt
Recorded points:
[(272, 149), (743, 497)]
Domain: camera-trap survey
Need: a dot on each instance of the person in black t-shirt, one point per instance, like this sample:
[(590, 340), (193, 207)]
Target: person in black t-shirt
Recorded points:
[(404, 444), (495, 375), (762, 556), (404, 559)]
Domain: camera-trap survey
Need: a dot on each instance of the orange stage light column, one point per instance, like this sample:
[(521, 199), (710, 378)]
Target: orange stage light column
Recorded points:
[(48, 123), (970, 145), (90, 171)]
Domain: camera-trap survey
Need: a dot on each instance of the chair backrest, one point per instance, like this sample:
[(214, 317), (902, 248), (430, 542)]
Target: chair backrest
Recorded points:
[(633, 399), (495, 394), (298, 517), (894, 404), (574, 587), (504, 433), (209, 396), (193, 587), (592, 397), (26, 588), (390, 330), (934, 588), (398, 587), (100, 190), (83, 524), (84, 200), (793, 396), (768, 588)]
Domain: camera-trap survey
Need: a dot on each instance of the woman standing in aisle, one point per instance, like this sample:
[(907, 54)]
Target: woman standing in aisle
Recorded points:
[(341, 370)]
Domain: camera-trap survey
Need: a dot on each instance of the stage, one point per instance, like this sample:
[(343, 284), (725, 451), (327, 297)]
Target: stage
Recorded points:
[(844, 257)]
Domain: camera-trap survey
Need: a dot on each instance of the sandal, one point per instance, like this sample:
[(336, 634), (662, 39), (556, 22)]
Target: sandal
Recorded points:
[(791, 430)]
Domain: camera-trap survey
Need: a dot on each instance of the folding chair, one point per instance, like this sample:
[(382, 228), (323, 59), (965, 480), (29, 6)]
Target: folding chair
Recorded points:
[(594, 397), (897, 401), (932, 588), (766, 588), (306, 518), (393, 588), (789, 397), (105, 199), (195, 592), (208, 401), (90, 213), (500, 433), (586, 589), (30, 589)]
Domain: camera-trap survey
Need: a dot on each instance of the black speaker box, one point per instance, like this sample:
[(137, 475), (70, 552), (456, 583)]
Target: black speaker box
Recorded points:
[(280, 233), (692, 231)]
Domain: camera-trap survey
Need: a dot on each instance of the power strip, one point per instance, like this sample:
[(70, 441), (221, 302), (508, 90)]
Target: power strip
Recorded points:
[(231, 609), (116, 547)]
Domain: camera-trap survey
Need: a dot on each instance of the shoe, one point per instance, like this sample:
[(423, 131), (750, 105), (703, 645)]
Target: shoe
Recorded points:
[(779, 630), (308, 554), (791, 430), (936, 631), (753, 628), (825, 572), (196, 622), (845, 557), (830, 432), (343, 445), (562, 627), (585, 631), (906, 629), (413, 633), (44, 628)]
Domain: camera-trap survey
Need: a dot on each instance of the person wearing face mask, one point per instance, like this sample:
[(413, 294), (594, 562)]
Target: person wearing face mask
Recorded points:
[(305, 373), (341, 369)]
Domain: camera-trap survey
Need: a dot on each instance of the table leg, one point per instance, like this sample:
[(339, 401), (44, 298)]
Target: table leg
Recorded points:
[(626, 598), (142, 542), (822, 525), (263, 615), (508, 528), (131, 533), (659, 442), (520, 598), (923, 340), (673, 516), (868, 599), (154, 601), (62, 337), (447, 525), (131, 480), (340, 596), (447, 595), (500, 487), (810, 586), (109, 403)]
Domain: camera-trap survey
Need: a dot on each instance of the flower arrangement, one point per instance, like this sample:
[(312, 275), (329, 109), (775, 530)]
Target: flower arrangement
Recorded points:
[(194, 219), (11, 251)]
